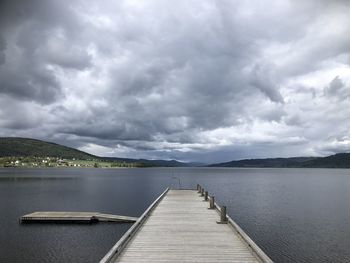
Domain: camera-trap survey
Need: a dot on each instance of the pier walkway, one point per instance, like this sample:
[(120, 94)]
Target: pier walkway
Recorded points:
[(179, 227)]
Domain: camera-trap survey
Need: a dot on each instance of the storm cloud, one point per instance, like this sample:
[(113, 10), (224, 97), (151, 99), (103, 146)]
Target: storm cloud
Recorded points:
[(192, 80)]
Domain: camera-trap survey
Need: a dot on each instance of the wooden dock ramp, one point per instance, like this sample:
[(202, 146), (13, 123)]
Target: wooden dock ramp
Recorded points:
[(179, 227), (87, 217)]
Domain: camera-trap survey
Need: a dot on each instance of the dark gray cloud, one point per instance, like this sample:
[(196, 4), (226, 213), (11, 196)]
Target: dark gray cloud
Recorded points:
[(337, 89), (215, 80), (35, 36), (28, 83), (262, 80), (2, 49)]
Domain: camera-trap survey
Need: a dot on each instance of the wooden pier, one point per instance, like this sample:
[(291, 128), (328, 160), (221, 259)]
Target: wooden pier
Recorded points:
[(180, 227), (75, 217)]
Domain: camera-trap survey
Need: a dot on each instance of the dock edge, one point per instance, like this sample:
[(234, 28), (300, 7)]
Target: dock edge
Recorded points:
[(123, 241), (247, 240)]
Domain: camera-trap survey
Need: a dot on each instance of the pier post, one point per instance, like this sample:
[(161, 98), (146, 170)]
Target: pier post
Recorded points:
[(206, 196), (211, 203), (202, 192), (223, 217), (199, 189)]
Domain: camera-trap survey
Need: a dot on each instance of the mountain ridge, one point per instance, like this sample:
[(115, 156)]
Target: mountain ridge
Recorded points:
[(339, 160), (29, 147)]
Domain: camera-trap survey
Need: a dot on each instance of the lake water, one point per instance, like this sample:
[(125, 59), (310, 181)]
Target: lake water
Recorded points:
[(294, 215)]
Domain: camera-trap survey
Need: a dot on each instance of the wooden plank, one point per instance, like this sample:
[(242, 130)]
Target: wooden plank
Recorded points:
[(181, 228)]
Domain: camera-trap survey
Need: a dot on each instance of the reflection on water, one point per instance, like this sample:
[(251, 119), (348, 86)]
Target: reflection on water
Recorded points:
[(295, 215)]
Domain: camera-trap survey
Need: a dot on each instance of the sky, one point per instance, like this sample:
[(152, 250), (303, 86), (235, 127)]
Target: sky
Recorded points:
[(191, 80)]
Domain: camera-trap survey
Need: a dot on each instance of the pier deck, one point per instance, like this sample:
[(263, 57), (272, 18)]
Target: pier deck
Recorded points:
[(181, 228), (87, 217)]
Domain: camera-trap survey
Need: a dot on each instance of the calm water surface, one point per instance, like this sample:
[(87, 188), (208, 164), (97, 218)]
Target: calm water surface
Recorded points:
[(294, 215)]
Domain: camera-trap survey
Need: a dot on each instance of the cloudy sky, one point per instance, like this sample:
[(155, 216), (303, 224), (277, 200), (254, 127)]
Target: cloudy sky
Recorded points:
[(190, 80)]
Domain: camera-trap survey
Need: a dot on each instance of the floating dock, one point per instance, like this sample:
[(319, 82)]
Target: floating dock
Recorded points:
[(75, 217), (180, 227)]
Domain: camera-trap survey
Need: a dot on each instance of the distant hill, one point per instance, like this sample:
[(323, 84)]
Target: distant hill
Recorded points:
[(151, 163), (340, 160), (26, 147), (169, 163), (268, 162)]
